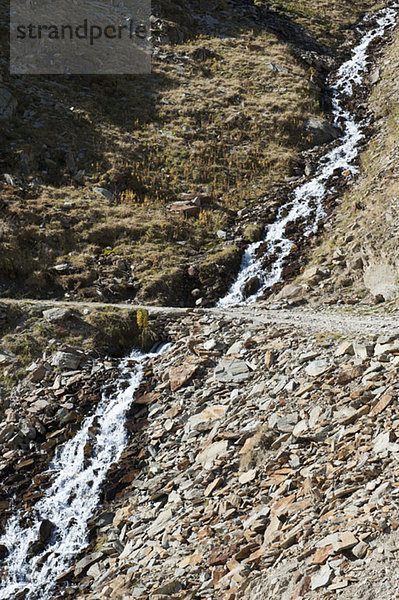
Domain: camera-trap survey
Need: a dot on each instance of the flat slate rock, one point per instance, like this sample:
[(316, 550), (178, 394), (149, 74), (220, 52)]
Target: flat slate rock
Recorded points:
[(231, 370)]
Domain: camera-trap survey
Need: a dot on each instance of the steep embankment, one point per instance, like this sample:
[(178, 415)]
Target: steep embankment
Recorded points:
[(357, 261)]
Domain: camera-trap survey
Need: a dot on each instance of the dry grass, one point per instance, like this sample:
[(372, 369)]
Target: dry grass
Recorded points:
[(326, 19), (215, 116)]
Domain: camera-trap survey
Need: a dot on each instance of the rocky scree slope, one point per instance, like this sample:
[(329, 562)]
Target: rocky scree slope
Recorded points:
[(266, 467)]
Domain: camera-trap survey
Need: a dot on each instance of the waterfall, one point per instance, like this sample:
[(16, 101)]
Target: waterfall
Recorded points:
[(76, 480), (306, 202), (73, 495)]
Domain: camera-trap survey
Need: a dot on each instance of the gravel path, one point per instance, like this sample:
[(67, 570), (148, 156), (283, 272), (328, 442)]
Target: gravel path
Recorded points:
[(305, 319)]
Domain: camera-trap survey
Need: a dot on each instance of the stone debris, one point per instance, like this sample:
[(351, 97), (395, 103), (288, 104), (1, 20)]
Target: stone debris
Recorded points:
[(249, 467)]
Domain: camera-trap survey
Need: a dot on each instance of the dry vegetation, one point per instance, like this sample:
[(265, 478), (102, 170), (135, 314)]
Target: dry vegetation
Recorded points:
[(220, 114)]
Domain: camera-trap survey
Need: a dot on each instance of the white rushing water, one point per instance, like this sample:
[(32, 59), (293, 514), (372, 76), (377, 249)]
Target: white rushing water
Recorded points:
[(73, 495), (306, 202), (76, 480)]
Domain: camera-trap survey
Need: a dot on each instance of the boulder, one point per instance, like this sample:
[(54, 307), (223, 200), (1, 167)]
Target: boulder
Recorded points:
[(45, 530), (251, 287), (320, 131), (67, 360)]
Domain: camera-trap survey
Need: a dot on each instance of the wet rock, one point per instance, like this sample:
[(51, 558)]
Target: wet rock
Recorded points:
[(3, 552), (45, 531), (251, 287)]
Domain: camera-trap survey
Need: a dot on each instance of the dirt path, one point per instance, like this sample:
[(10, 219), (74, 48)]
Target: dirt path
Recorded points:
[(327, 320)]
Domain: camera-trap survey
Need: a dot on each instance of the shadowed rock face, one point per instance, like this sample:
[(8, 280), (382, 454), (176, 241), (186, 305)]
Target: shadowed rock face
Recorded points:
[(8, 104)]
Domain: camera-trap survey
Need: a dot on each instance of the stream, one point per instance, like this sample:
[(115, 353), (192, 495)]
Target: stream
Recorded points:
[(73, 495), (306, 202), (75, 491)]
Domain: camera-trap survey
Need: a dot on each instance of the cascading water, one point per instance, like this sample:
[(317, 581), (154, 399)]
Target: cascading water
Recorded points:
[(76, 485), (72, 497), (306, 201)]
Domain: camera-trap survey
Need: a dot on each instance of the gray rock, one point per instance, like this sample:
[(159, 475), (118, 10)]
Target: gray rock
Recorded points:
[(314, 274), (345, 347), (321, 578), (289, 291), (388, 348), (168, 588), (286, 424), (63, 268), (360, 550), (27, 430), (37, 372), (55, 315), (8, 104), (321, 131), (104, 193), (317, 367), (251, 287), (363, 351), (67, 361), (38, 406), (6, 357), (231, 370), (86, 562), (160, 523)]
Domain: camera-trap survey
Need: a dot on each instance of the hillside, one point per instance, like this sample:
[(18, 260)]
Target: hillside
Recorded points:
[(247, 450), (93, 167), (357, 257)]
